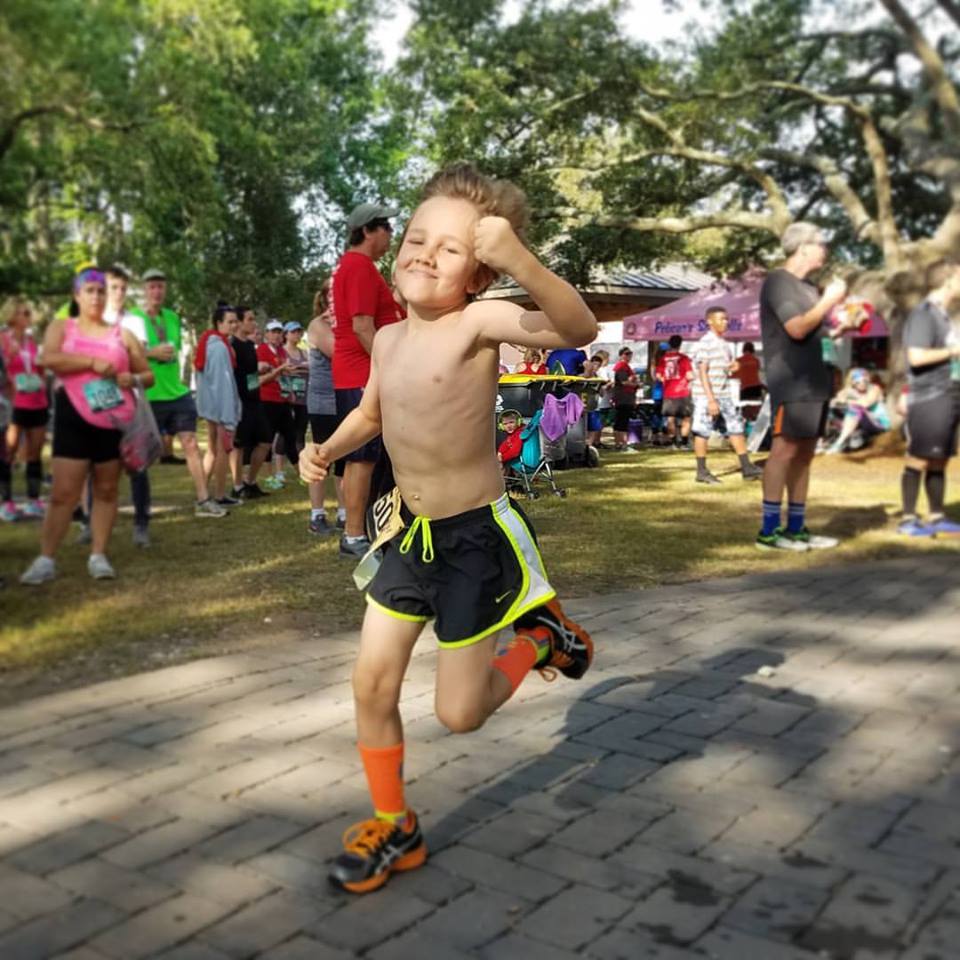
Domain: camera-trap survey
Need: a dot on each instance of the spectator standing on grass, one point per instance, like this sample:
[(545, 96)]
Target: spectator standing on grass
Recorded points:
[(322, 410), (218, 400), (173, 407), (625, 384), (251, 444), (275, 396), (29, 414), (714, 365), (792, 312), (932, 341), (675, 371), (297, 375), (362, 304), (97, 366)]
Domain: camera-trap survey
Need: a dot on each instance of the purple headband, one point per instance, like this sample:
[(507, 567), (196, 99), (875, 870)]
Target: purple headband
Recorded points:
[(90, 275)]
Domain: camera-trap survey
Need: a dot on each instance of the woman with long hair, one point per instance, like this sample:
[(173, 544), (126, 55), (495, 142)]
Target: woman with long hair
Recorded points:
[(30, 413), (98, 366), (218, 400)]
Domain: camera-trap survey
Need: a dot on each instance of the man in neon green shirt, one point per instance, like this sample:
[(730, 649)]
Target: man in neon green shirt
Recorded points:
[(173, 406)]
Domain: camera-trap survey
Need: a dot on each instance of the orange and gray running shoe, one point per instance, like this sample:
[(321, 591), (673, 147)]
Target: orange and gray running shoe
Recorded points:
[(571, 649), (374, 849)]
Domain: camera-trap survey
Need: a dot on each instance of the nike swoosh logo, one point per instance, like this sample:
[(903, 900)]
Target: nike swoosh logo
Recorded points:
[(502, 596)]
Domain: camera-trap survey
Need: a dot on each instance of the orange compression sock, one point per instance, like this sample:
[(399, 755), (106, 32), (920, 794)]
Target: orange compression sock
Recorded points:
[(522, 654), (384, 769)]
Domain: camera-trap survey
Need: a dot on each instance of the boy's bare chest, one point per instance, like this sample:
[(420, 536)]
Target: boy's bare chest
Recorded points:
[(434, 372)]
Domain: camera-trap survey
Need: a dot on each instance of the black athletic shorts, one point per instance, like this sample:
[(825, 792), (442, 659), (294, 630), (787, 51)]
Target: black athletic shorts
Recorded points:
[(752, 393), (175, 416), (75, 439), (475, 573), (29, 419), (253, 428), (678, 407), (932, 427), (322, 426), (347, 400), (800, 419), (621, 418)]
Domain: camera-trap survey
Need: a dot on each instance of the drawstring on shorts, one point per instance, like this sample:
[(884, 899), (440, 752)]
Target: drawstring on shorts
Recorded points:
[(426, 538)]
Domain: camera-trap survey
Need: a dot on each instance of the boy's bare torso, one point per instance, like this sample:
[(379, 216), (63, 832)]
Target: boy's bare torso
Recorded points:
[(437, 390)]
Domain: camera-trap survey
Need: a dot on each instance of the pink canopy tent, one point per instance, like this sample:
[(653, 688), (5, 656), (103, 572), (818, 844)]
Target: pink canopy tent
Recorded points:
[(740, 298)]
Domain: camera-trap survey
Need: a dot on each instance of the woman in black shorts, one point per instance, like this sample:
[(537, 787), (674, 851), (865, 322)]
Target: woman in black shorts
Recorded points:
[(97, 365)]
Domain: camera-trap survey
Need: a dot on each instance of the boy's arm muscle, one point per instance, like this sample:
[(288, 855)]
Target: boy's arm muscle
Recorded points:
[(564, 320)]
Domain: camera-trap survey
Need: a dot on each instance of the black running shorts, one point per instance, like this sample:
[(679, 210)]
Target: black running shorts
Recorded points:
[(254, 428), (30, 419), (800, 419), (347, 400), (75, 439), (932, 427), (475, 573), (678, 407)]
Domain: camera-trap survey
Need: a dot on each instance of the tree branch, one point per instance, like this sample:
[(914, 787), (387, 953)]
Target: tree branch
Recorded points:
[(744, 219), (952, 8), (9, 133), (944, 92)]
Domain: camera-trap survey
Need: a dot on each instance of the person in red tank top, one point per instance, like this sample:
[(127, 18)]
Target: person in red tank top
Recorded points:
[(97, 365)]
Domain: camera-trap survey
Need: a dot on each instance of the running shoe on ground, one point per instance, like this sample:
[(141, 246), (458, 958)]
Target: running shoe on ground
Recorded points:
[(355, 548), (9, 512), (100, 568), (252, 491), (319, 527), (229, 501), (374, 849), (571, 649), (945, 528), (914, 528), (708, 477), (33, 510), (141, 537), (209, 508), (752, 472), (812, 540), (40, 571), (778, 540)]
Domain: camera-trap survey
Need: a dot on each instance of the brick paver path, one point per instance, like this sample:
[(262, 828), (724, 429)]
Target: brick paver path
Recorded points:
[(755, 769)]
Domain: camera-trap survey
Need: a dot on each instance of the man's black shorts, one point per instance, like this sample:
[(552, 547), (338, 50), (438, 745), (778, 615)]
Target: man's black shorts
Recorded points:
[(322, 426), (621, 418), (175, 416), (254, 428), (932, 427), (75, 439), (475, 573), (752, 393), (347, 400), (800, 419), (678, 407)]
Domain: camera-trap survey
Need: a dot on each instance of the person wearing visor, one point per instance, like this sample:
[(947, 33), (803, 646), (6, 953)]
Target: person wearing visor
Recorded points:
[(362, 304), (275, 396), (97, 365)]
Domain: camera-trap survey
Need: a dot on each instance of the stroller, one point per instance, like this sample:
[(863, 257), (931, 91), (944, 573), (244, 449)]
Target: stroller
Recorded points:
[(533, 465)]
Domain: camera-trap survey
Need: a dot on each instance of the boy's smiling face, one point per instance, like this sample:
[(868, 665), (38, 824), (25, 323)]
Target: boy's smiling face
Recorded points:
[(436, 266)]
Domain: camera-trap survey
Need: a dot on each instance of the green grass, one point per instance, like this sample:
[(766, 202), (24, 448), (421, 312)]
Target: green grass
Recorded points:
[(209, 586)]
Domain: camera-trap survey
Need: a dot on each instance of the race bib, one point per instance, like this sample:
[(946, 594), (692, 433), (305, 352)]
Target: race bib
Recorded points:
[(387, 523), (28, 383), (298, 385), (285, 389), (253, 381), (102, 395)]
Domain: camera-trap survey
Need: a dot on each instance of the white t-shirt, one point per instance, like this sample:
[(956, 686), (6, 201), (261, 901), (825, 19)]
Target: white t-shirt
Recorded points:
[(129, 321)]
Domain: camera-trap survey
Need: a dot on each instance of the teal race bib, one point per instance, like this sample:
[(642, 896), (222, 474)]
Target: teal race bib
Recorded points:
[(285, 388), (102, 395), (28, 383), (298, 385), (253, 381)]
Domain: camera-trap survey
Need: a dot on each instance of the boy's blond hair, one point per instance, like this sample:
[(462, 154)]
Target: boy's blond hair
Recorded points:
[(493, 198)]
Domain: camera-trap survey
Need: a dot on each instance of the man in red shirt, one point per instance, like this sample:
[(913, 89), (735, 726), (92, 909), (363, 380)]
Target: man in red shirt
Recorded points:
[(362, 304), (676, 371)]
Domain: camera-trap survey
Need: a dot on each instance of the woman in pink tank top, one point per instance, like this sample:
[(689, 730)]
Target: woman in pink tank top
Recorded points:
[(29, 423), (97, 366)]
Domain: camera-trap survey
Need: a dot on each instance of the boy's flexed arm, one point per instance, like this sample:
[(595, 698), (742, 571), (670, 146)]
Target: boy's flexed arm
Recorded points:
[(359, 426), (564, 320)]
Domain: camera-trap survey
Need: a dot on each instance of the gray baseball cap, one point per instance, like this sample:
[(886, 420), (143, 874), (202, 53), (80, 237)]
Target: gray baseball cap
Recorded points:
[(154, 273), (367, 213)]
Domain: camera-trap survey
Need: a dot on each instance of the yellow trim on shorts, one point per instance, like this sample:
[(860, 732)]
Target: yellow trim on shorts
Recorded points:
[(396, 614), (520, 605)]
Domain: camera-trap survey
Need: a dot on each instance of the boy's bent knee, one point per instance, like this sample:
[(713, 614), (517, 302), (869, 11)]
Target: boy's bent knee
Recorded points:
[(460, 718)]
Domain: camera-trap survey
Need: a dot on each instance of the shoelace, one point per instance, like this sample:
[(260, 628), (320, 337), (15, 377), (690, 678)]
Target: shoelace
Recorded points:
[(367, 836)]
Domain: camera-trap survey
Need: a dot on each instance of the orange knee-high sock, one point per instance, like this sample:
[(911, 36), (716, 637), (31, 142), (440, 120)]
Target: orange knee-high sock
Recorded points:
[(522, 654), (384, 769)]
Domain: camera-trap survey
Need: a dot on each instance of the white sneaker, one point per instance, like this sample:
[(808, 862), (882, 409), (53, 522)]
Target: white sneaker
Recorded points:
[(98, 566), (209, 508), (813, 541), (778, 540), (40, 571)]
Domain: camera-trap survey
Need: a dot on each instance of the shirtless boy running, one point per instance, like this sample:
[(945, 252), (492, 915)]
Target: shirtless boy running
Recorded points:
[(466, 557)]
